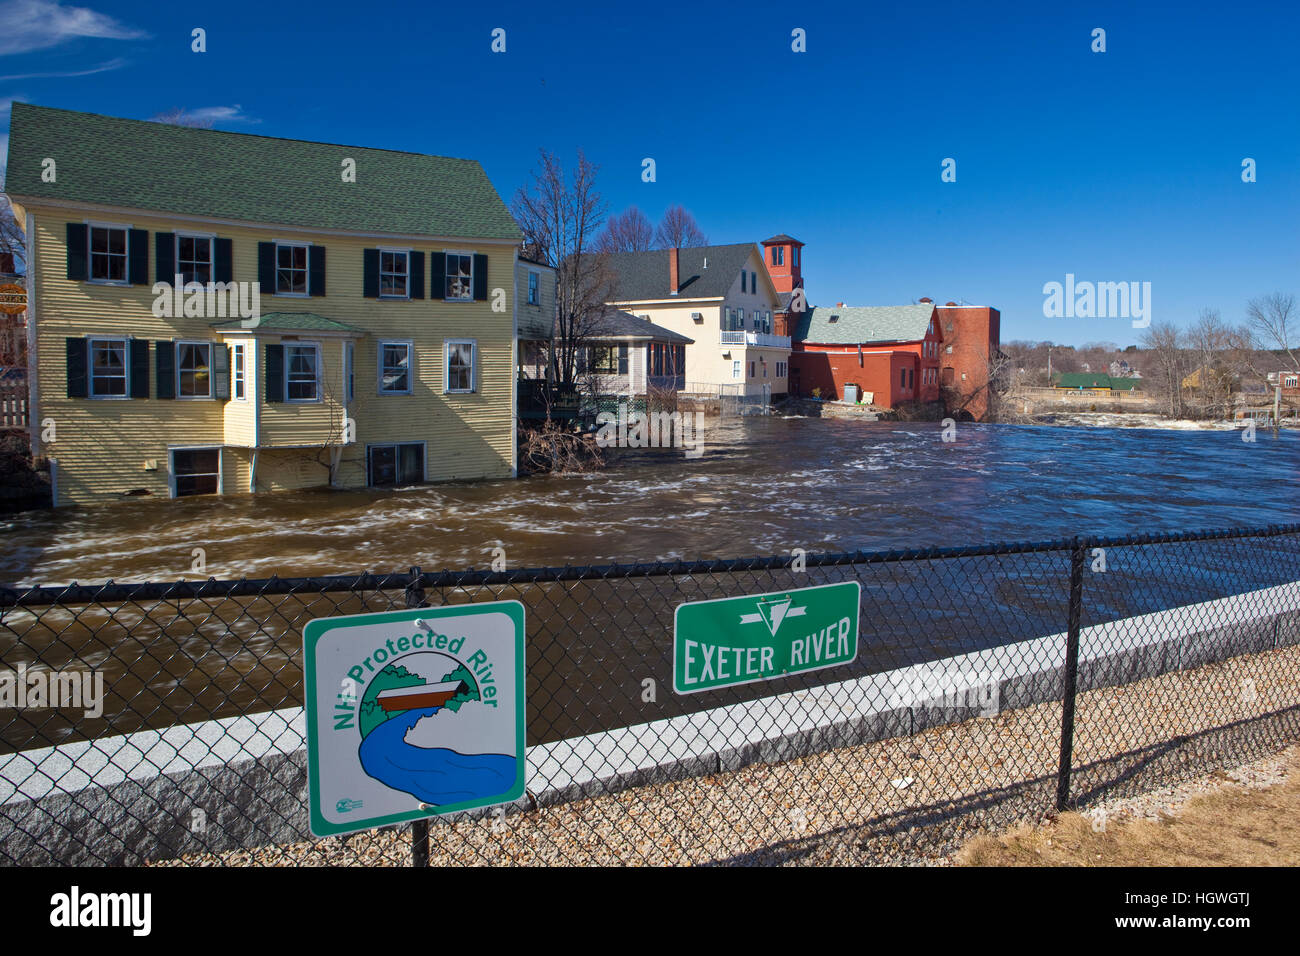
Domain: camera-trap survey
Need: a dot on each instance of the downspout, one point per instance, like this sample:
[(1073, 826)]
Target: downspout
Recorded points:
[(514, 364)]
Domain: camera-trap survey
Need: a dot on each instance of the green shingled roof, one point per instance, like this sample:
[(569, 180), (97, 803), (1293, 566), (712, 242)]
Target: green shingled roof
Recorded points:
[(287, 322), (201, 172), (1092, 380), (851, 325)]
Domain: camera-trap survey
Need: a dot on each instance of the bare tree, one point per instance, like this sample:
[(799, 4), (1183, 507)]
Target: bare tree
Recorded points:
[(679, 230), (1273, 319), (13, 240), (179, 116), (1164, 342), (561, 217), (629, 231)]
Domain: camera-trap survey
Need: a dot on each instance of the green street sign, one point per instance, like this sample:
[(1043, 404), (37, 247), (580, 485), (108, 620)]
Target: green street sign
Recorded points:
[(413, 713), (732, 641)]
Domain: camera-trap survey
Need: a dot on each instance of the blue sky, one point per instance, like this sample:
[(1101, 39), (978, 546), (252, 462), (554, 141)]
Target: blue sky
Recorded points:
[(1115, 166)]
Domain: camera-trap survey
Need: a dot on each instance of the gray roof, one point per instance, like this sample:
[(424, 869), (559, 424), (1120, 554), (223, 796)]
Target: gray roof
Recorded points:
[(614, 324), (855, 324), (202, 172), (644, 275), (619, 324)]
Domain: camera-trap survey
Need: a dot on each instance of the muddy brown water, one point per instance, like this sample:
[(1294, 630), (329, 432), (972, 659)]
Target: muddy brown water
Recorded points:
[(764, 486)]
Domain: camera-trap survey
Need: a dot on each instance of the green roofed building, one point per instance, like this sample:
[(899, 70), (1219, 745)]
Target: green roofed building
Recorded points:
[(1081, 381), (222, 313)]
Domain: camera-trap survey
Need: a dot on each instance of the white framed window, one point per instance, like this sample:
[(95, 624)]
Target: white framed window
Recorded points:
[(1290, 381), (735, 368), (534, 288), (460, 276), (778, 255), (108, 253), (949, 350), (395, 360), (194, 471), (194, 258), (393, 274), (349, 371), (238, 372), (193, 369), (460, 356), (109, 368), (291, 268), (301, 372)]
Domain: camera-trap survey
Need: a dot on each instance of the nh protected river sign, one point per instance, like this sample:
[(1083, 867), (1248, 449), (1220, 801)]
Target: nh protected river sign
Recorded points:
[(731, 641), (413, 713)]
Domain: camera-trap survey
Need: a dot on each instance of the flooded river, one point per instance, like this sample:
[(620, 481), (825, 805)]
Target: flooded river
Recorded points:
[(764, 486)]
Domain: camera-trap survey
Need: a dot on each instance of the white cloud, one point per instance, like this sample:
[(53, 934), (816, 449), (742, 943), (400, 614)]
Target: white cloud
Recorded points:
[(4, 156), (40, 24), (113, 64), (206, 116)]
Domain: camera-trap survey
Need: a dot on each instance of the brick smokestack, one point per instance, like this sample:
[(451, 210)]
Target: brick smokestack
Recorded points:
[(673, 283)]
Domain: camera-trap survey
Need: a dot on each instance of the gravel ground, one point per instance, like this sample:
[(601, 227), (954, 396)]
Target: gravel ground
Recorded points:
[(909, 801)]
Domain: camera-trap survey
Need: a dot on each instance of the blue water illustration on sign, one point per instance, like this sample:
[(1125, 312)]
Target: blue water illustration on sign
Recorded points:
[(434, 775)]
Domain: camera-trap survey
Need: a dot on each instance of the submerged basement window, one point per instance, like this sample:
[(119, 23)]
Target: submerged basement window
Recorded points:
[(391, 465), (196, 471)]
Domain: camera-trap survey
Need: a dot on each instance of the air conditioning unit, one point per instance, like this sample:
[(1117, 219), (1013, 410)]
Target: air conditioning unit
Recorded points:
[(698, 317)]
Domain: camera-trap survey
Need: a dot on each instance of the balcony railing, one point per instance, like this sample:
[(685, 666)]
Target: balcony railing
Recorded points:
[(762, 339)]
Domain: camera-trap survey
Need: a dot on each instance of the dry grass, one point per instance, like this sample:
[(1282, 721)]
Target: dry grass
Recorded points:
[(1232, 825)]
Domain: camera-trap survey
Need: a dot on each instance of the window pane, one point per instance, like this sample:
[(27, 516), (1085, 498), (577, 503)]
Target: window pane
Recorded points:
[(412, 464), (196, 471), (383, 465)]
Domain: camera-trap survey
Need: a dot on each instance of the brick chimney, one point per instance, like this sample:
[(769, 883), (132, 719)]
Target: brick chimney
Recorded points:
[(927, 299), (839, 305), (673, 283)]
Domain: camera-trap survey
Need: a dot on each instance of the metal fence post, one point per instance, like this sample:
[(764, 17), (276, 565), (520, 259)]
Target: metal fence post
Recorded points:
[(419, 828), (1077, 553)]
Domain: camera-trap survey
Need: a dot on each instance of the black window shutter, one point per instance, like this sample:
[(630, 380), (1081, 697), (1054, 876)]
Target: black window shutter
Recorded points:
[(77, 383), (315, 270), (164, 362), (437, 275), (274, 373), (139, 368), (480, 278), (622, 360), (370, 273), (78, 250), (137, 248), (266, 267), (223, 264), (417, 275), (164, 254), (220, 370)]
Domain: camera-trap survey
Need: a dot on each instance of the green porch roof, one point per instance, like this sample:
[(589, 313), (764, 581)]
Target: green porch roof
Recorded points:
[(260, 179), (287, 322)]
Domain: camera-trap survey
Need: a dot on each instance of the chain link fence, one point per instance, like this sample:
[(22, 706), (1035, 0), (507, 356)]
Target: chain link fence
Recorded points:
[(991, 685)]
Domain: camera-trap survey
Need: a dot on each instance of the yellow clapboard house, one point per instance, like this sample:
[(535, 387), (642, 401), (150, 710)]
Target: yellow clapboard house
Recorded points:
[(377, 348)]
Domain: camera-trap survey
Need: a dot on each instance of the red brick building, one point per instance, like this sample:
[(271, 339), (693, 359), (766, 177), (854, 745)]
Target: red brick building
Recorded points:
[(915, 353), (971, 340), (891, 353)]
